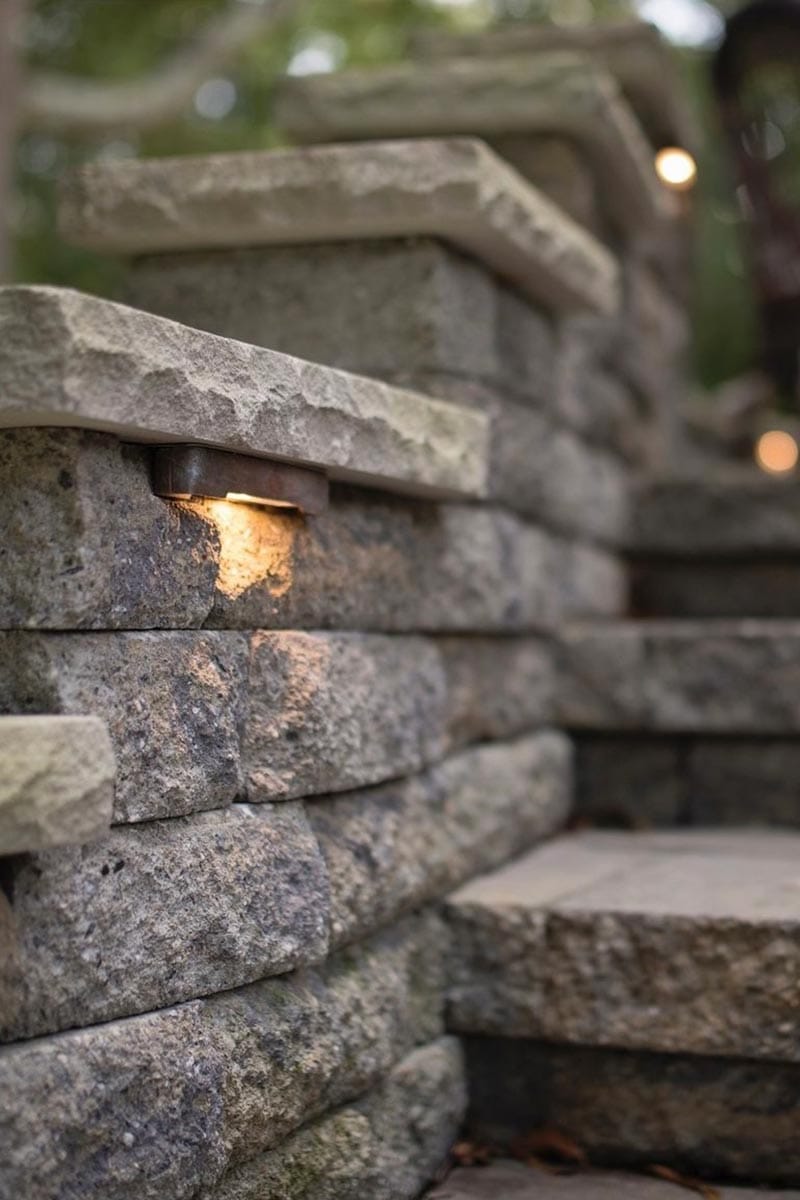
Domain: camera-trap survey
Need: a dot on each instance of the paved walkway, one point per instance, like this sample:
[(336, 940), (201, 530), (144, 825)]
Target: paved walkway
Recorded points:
[(512, 1181)]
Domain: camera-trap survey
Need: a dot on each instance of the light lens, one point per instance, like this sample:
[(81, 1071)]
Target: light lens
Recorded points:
[(676, 168), (777, 452)]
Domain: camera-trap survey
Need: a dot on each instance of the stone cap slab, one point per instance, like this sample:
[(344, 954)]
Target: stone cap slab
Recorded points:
[(561, 94), (456, 190), (56, 781), (68, 359), (632, 51)]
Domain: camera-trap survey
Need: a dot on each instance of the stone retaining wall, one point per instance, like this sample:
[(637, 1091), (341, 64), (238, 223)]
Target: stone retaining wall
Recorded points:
[(321, 724)]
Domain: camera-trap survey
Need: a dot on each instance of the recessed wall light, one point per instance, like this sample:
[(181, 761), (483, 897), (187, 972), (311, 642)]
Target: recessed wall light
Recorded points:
[(183, 472)]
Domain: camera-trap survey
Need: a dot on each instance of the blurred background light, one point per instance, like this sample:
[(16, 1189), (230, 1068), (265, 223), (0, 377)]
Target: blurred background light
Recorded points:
[(777, 452), (676, 168)]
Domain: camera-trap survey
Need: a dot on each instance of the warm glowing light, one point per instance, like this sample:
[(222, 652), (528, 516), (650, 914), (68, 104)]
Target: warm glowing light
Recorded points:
[(676, 168), (777, 452), (256, 547), (243, 498)]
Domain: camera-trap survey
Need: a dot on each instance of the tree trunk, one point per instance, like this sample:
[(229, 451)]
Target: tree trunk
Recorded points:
[(12, 13)]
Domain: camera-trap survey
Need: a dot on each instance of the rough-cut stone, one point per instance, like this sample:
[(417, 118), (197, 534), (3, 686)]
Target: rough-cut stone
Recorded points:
[(630, 782), (171, 701), (329, 712), (162, 1104), (84, 537), (496, 687), (56, 782), (561, 94), (516, 1181), (592, 398), (705, 1116), (632, 51), (410, 311), (744, 781), (455, 189), (694, 588), (681, 676), (165, 911), (636, 942), (390, 1143), (730, 513), (556, 166), (71, 359), (388, 849)]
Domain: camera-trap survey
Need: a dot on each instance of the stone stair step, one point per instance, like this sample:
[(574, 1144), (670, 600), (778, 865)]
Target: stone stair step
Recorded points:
[(692, 677), (508, 1180), (674, 943)]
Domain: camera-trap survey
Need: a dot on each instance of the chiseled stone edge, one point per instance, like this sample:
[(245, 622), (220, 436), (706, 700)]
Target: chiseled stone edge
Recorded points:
[(562, 94), (454, 189), (70, 359), (56, 781)]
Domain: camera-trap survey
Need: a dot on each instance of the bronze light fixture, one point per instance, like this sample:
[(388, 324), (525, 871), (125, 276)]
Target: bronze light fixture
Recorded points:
[(182, 472), (757, 81)]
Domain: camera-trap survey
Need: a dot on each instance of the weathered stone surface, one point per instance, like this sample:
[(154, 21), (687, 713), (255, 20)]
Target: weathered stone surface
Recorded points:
[(556, 166), (163, 1104), (729, 513), (515, 1181), (71, 359), (748, 587), (593, 398), (496, 687), (406, 310), (56, 781), (562, 94), (653, 339), (388, 849), (86, 539), (391, 1143), (706, 1116), (681, 676), (328, 712), (651, 943), (165, 911), (171, 701), (454, 189), (744, 781), (631, 782)]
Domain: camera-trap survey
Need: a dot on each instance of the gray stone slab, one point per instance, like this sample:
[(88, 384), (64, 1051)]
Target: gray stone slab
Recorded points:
[(172, 703), (709, 1117), (562, 93), (496, 687), (328, 712), (162, 912), (74, 360), (747, 587), (165, 1103), (389, 849), (391, 1143), (744, 781), (630, 781), (613, 941), (695, 677), (56, 782), (455, 189), (515, 1181)]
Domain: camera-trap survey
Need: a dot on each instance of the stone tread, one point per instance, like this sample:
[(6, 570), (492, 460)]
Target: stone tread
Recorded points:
[(675, 942), (681, 676), (505, 1180), (562, 93), (68, 359), (457, 190)]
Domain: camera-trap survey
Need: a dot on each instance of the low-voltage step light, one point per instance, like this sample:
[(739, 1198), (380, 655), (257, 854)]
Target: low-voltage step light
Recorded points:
[(181, 472)]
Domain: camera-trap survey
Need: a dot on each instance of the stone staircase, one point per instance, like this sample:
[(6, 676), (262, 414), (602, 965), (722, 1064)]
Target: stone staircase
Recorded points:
[(350, 889)]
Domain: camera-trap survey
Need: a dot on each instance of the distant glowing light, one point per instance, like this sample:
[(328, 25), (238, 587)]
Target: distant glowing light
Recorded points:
[(777, 452), (676, 168)]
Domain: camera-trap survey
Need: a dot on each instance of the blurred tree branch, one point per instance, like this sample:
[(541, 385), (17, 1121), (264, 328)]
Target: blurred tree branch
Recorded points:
[(64, 104)]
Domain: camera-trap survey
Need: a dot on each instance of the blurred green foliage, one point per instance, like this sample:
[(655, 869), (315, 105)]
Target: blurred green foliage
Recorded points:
[(122, 39)]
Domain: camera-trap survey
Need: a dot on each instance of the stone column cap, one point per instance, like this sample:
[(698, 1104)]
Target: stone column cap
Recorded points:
[(457, 190), (68, 359), (561, 94), (56, 781)]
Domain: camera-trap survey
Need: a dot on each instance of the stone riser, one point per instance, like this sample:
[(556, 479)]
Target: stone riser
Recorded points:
[(756, 587), (713, 1118)]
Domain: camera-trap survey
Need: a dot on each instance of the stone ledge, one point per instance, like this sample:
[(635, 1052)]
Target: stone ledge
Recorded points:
[(562, 93), (653, 942), (693, 677), (390, 1143), (162, 912), (72, 360), (163, 1104), (456, 190), (56, 781)]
